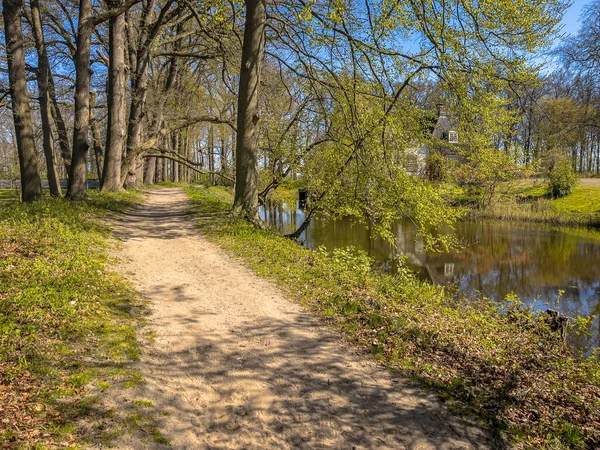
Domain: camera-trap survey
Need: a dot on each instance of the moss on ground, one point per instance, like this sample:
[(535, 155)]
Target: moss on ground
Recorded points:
[(506, 368)]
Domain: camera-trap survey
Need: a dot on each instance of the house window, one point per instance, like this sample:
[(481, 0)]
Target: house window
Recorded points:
[(453, 137), (448, 269), (412, 163)]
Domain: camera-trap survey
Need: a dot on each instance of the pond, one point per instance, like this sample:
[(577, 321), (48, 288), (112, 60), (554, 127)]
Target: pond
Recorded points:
[(547, 267)]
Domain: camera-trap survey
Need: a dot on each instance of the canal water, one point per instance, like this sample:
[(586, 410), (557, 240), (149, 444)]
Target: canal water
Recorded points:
[(547, 267)]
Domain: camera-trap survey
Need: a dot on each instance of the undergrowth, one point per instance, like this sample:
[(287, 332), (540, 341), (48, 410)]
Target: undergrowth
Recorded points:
[(500, 363), (65, 319)]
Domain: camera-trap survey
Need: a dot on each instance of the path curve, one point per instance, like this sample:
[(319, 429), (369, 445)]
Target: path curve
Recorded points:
[(236, 365)]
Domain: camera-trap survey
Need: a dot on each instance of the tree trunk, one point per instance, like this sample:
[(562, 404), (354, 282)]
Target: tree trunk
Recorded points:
[(139, 87), (44, 99), (246, 186), (61, 127), (116, 102), (150, 171), (96, 139), (31, 184), (223, 156), (158, 170), (211, 156), (81, 119)]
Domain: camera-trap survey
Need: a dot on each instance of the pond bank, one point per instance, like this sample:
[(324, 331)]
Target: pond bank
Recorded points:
[(508, 370), (528, 200)]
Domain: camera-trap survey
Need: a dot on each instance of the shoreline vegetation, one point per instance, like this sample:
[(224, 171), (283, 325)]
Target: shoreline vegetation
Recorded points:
[(528, 200), (68, 326), (509, 370)]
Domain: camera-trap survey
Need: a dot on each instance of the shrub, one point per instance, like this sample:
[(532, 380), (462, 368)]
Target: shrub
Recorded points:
[(437, 167), (561, 176)]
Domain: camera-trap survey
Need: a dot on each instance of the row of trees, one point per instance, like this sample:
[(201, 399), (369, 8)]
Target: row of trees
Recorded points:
[(250, 94), (560, 112)]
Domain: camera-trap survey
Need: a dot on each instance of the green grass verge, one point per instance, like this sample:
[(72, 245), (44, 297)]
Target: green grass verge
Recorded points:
[(509, 369), (65, 319)]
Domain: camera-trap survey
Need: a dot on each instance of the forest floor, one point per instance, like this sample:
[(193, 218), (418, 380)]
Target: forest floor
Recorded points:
[(234, 364)]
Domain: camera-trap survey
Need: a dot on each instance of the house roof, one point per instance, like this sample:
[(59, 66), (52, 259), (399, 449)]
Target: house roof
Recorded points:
[(444, 124)]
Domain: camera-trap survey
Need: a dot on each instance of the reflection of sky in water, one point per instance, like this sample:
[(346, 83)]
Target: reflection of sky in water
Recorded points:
[(532, 261)]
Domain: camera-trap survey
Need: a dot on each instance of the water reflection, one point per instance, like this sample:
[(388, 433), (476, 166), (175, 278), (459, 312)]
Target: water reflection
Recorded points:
[(531, 260)]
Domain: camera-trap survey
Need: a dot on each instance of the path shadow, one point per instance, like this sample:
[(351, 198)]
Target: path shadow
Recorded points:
[(299, 392)]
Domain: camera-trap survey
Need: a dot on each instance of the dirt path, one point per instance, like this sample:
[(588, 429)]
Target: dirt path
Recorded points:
[(235, 365)]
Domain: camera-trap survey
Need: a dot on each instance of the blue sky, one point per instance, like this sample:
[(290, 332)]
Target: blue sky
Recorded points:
[(571, 20)]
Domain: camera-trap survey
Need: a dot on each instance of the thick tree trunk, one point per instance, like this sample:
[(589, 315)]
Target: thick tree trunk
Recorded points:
[(150, 171), (158, 170), (175, 172), (139, 87), (44, 98), (246, 186), (116, 101), (81, 120), (31, 185)]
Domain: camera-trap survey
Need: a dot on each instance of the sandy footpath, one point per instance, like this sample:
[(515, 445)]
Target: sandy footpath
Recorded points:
[(236, 365)]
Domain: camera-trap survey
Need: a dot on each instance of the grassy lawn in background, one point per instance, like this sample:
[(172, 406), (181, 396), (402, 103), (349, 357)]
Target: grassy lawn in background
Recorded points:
[(528, 200), (8, 195), (506, 369)]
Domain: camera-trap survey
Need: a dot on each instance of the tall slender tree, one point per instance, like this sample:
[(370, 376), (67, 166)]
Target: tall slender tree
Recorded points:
[(43, 80), (31, 185)]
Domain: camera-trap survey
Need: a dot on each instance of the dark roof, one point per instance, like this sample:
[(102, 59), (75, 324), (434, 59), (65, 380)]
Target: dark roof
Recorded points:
[(444, 124)]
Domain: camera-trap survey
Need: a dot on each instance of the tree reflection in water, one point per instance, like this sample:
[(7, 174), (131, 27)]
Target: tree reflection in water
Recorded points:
[(533, 261)]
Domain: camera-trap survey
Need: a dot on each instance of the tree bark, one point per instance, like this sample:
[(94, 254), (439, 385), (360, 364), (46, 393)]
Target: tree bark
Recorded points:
[(116, 102), (82, 94), (44, 99), (158, 170), (223, 156), (211, 155), (139, 87), (150, 171), (246, 186), (31, 184), (61, 126), (81, 119), (96, 139)]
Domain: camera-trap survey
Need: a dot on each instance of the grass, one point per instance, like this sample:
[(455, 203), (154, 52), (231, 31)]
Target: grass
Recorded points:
[(284, 194), (66, 320), (501, 364), (529, 200), (8, 196)]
